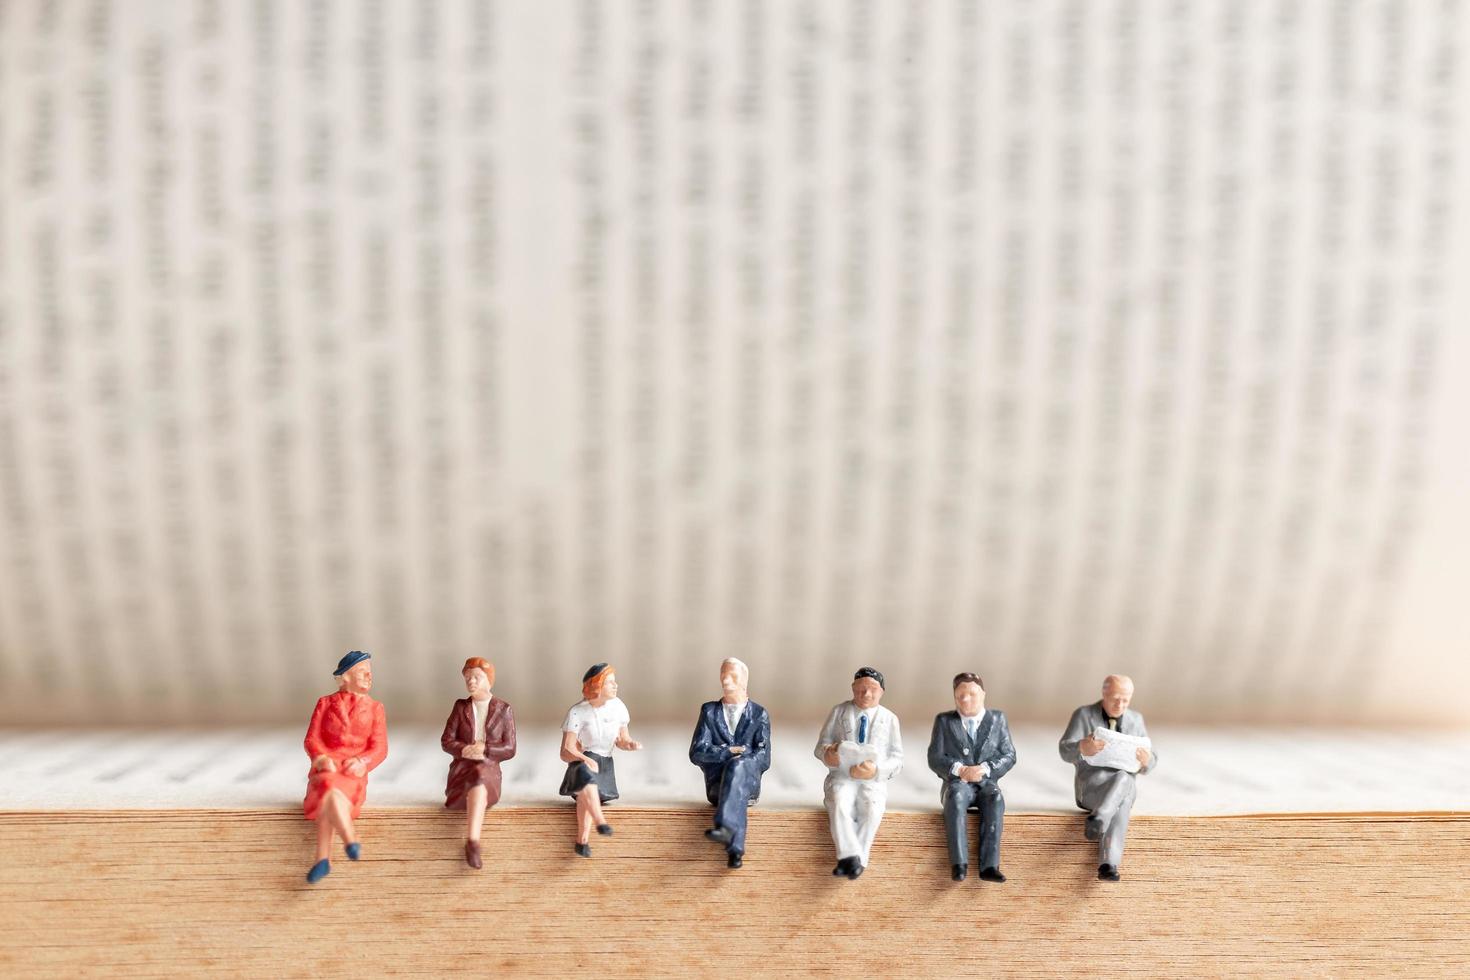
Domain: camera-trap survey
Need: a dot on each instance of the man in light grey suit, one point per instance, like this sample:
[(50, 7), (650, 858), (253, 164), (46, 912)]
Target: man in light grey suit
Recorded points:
[(970, 749), (1106, 794)]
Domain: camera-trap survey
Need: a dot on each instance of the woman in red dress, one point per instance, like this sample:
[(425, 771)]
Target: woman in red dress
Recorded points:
[(480, 734), (347, 739)]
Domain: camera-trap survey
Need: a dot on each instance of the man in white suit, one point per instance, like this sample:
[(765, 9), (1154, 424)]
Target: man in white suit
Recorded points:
[(857, 794)]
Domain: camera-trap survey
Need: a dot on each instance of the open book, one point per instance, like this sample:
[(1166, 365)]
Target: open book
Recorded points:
[(1044, 340)]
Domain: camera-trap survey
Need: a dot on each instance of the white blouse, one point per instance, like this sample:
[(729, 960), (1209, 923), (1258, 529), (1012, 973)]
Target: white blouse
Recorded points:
[(480, 709), (597, 728)]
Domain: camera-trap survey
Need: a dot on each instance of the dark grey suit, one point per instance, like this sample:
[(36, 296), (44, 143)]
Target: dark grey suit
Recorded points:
[(949, 745), (1107, 794)]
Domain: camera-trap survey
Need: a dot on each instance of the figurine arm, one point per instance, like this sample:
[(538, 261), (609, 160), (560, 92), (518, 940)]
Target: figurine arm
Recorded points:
[(940, 763), (762, 746), (892, 761), (377, 746), (503, 745), (1153, 756), (828, 735), (1003, 762), (702, 749), (315, 747), (448, 742), (571, 750), (625, 741), (1076, 731)]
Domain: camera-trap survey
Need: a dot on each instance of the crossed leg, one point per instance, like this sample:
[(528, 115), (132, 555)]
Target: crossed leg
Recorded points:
[(335, 815)]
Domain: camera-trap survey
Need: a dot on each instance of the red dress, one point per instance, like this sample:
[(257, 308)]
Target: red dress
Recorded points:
[(344, 726)]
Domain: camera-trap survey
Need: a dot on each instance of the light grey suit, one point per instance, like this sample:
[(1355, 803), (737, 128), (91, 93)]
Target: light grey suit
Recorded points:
[(1107, 794)]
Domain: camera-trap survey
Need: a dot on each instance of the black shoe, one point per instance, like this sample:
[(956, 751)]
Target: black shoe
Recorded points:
[(583, 849), (1093, 829), (958, 872), (735, 860), (856, 870), (991, 874), (841, 868), (605, 829), (1106, 872), (720, 835)]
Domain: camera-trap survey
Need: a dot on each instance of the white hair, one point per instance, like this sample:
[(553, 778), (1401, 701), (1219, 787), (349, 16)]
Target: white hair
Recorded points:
[(1117, 680), (739, 665)]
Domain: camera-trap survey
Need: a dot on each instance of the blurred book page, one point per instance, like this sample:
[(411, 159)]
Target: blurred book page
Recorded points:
[(1206, 773), (1044, 339)]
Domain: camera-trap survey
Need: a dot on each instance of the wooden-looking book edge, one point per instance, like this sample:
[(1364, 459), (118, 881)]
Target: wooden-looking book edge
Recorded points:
[(222, 892)]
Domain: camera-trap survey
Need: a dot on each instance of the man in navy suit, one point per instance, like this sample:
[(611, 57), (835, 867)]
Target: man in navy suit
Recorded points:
[(970, 749), (732, 745)]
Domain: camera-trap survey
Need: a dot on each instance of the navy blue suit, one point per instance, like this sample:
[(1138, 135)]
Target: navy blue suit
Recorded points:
[(732, 782)]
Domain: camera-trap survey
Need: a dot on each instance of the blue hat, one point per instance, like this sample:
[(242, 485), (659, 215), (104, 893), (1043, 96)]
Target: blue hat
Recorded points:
[(351, 660), (593, 671)]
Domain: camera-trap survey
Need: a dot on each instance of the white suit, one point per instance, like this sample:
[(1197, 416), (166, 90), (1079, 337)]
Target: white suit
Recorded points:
[(855, 806)]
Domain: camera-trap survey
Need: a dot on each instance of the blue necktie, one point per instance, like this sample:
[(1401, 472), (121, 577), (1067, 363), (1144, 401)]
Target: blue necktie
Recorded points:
[(862, 729)]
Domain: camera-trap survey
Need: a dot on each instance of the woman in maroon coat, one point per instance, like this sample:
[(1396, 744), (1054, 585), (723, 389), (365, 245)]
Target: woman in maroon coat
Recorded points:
[(480, 734)]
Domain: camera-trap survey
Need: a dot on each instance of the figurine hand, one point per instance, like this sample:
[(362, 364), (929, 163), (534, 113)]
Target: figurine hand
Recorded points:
[(830, 756), (1142, 755), (355, 767), (475, 751), (972, 774), (1091, 745), (737, 750), (590, 764), (629, 745), (323, 763), (863, 770)]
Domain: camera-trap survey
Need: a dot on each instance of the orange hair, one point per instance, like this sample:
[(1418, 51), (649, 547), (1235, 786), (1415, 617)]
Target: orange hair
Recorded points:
[(592, 687), (484, 665)]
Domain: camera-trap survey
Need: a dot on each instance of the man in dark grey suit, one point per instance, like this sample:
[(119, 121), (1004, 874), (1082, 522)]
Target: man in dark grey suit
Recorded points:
[(1106, 794), (970, 749)]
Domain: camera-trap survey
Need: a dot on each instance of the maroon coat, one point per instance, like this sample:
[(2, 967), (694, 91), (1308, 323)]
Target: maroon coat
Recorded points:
[(499, 737)]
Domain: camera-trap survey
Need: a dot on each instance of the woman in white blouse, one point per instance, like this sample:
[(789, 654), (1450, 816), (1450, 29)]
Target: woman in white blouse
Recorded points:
[(593, 727)]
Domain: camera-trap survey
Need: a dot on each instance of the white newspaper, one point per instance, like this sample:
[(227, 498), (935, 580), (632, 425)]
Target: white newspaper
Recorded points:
[(1119, 750), (851, 754)]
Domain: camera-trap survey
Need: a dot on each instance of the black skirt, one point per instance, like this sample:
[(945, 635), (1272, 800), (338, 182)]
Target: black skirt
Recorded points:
[(579, 776)]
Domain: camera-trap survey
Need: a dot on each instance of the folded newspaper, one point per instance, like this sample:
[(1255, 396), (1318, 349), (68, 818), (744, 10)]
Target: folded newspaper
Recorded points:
[(1119, 750), (851, 754)]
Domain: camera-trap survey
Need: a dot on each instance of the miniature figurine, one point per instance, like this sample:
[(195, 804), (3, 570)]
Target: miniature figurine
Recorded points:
[(970, 750), (861, 746), (732, 746), (346, 739), (592, 728), (1105, 785), (480, 734)]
